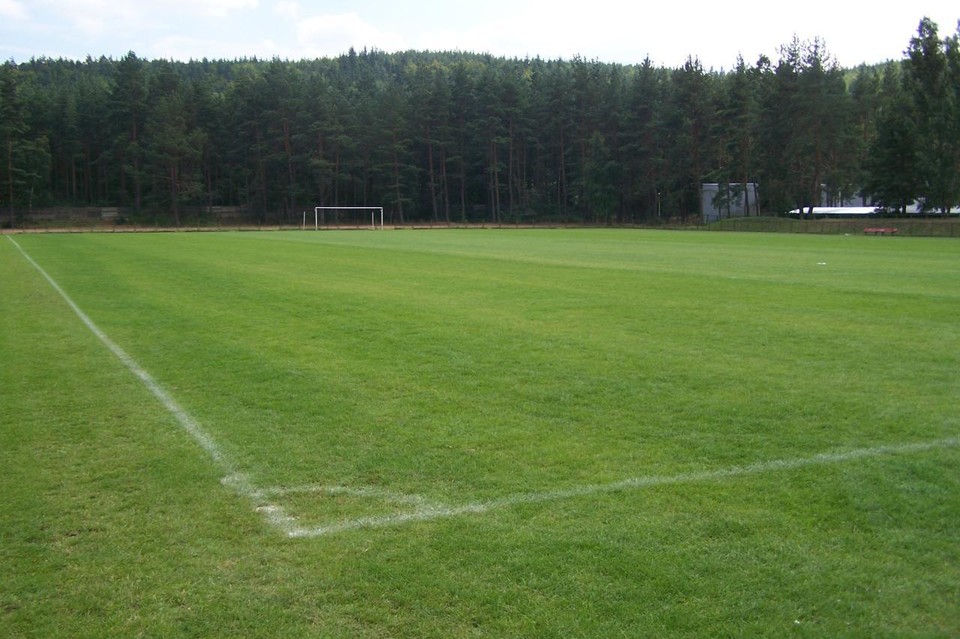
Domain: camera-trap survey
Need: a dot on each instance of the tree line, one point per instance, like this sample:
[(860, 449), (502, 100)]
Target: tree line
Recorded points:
[(460, 137)]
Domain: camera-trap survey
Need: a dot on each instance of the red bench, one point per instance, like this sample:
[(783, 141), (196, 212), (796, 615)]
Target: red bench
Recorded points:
[(880, 230)]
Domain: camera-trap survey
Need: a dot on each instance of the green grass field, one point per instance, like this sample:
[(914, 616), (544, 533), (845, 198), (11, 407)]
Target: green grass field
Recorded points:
[(453, 433)]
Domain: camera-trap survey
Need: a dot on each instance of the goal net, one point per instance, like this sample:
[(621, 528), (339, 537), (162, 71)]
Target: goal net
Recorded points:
[(346, 217)]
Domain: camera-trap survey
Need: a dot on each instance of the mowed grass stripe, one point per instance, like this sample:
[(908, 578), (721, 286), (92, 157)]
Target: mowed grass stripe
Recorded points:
[(346, 355), (233, 477), (183, 418), (423, 511), (109, 526)]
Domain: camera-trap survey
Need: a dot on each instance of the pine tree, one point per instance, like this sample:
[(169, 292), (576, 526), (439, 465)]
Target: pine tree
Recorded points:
[(24, 155), (174, 146), (643, 141), (128, 110), (934, 84), (893, 176)]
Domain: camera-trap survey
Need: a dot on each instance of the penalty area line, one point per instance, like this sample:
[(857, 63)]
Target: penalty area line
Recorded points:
[(433, 512), (238, 481)]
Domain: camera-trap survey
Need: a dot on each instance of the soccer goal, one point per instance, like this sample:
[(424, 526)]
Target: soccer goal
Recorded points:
[(355, 216)]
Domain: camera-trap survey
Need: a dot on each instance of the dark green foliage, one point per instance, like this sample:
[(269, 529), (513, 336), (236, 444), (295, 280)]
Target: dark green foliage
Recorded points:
[(128, 109), (472, 138), (892, 171), (806, 129), (933, 85), (24, 154)]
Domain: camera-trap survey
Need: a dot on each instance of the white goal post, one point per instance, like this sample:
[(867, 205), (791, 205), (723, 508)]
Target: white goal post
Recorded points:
[(376, 214)]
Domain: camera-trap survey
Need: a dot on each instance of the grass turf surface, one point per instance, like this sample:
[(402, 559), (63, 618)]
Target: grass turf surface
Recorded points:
[(375, 372)]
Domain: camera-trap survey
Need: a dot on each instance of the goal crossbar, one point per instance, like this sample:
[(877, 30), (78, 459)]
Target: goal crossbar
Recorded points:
[(374, 211)]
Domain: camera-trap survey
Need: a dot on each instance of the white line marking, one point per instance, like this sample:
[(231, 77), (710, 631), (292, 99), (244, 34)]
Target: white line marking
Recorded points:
[(370, 492), (432, 512), (277, 517), (238, 481)]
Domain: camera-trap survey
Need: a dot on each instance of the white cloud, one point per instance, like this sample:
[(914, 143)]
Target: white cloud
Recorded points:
[(218, 8), (180, 47), (607, 30), (287, 9), (328, 35), (94, 18), (12, 10), (184, 48), (99, 17)]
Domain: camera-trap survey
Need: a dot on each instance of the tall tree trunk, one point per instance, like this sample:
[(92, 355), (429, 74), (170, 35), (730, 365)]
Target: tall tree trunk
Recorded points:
[(445, 185), (510, 169), (137, 189), (9, 149), (562, 175), (431, 176), (396, 178), (291, 170), (261, 174), (494, 183), (175, 195)]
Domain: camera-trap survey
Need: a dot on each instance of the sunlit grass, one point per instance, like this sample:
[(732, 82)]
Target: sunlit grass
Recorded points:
[(462, 367)]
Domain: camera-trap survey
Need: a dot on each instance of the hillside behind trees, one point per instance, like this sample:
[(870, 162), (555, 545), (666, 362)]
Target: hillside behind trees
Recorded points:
[(453, 136)]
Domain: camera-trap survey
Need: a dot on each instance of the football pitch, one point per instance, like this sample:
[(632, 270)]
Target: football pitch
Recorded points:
[(459, 433)]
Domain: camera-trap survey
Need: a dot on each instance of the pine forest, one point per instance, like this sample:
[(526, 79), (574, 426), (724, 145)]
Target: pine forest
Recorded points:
[(457, 137)]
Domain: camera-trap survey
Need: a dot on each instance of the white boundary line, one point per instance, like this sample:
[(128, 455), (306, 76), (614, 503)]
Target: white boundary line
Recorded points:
[(431, 512), (424, 510), (370, 492), (234, 479)]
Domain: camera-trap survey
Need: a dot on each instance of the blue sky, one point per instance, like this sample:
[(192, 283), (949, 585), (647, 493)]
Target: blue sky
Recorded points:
[(607, 30)]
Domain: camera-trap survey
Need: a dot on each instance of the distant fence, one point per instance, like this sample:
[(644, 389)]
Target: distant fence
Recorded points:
[(926, 227), (119, 219), (108, 216)]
